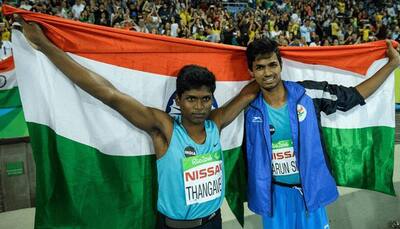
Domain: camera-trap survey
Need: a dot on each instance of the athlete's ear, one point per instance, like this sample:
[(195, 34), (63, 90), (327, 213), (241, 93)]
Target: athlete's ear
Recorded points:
[(251, 73), (177, 100)]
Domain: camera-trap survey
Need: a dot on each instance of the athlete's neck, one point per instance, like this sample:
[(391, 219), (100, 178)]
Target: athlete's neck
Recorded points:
[(196, 131), (275, 97)]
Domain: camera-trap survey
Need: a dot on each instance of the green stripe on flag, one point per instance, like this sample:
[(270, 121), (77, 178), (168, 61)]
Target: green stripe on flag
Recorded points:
[(362, 158), (10, 98), (13, 125), (236, 184), (79, 187)]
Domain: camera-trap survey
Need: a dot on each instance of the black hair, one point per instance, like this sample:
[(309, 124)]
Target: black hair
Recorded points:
[(261, 47), (194, 77)]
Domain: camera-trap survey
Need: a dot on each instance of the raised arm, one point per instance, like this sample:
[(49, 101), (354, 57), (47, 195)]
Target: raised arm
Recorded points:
[(229, 111), (151, 120), (369, 86)]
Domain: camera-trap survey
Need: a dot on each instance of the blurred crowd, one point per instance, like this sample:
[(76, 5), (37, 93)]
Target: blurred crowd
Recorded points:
[(290, 22)]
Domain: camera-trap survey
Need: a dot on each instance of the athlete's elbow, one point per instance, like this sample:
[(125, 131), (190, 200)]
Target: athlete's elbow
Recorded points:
[(108, 97)]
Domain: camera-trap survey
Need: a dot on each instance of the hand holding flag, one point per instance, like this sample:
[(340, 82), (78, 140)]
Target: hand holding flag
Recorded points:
[(32, 32), (369, 86), (393, 54)]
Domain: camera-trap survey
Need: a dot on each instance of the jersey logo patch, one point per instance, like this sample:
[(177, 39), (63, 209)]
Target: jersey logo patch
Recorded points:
[(190, 151), (271, 129), (256, 119), (301, 112)]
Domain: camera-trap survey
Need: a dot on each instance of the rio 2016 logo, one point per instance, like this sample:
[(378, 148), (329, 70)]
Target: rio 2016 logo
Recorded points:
[(174, 110)]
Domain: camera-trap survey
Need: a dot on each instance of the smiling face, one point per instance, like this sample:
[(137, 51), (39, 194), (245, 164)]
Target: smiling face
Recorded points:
[(266, 70), (195, 104)]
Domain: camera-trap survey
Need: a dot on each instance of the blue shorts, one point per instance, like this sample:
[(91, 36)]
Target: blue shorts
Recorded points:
[(289, 211)]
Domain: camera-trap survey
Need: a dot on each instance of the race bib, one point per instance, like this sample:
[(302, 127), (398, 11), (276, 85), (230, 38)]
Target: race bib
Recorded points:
[(283, 158), (203, 177)]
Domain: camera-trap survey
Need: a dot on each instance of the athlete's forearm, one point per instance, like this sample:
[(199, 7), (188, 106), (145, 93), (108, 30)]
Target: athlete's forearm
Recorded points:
[(369, 86), (89, 81), (227, 113)]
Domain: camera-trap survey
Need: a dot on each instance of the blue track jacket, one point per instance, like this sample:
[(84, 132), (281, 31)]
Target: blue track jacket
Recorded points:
[(318, 185)]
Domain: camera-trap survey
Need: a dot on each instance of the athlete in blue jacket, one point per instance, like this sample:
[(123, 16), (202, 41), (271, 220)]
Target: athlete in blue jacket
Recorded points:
[(289, 182)]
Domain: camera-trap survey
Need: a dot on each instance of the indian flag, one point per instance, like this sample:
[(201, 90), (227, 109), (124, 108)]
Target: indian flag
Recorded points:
[(12, 122), (96, 170)]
